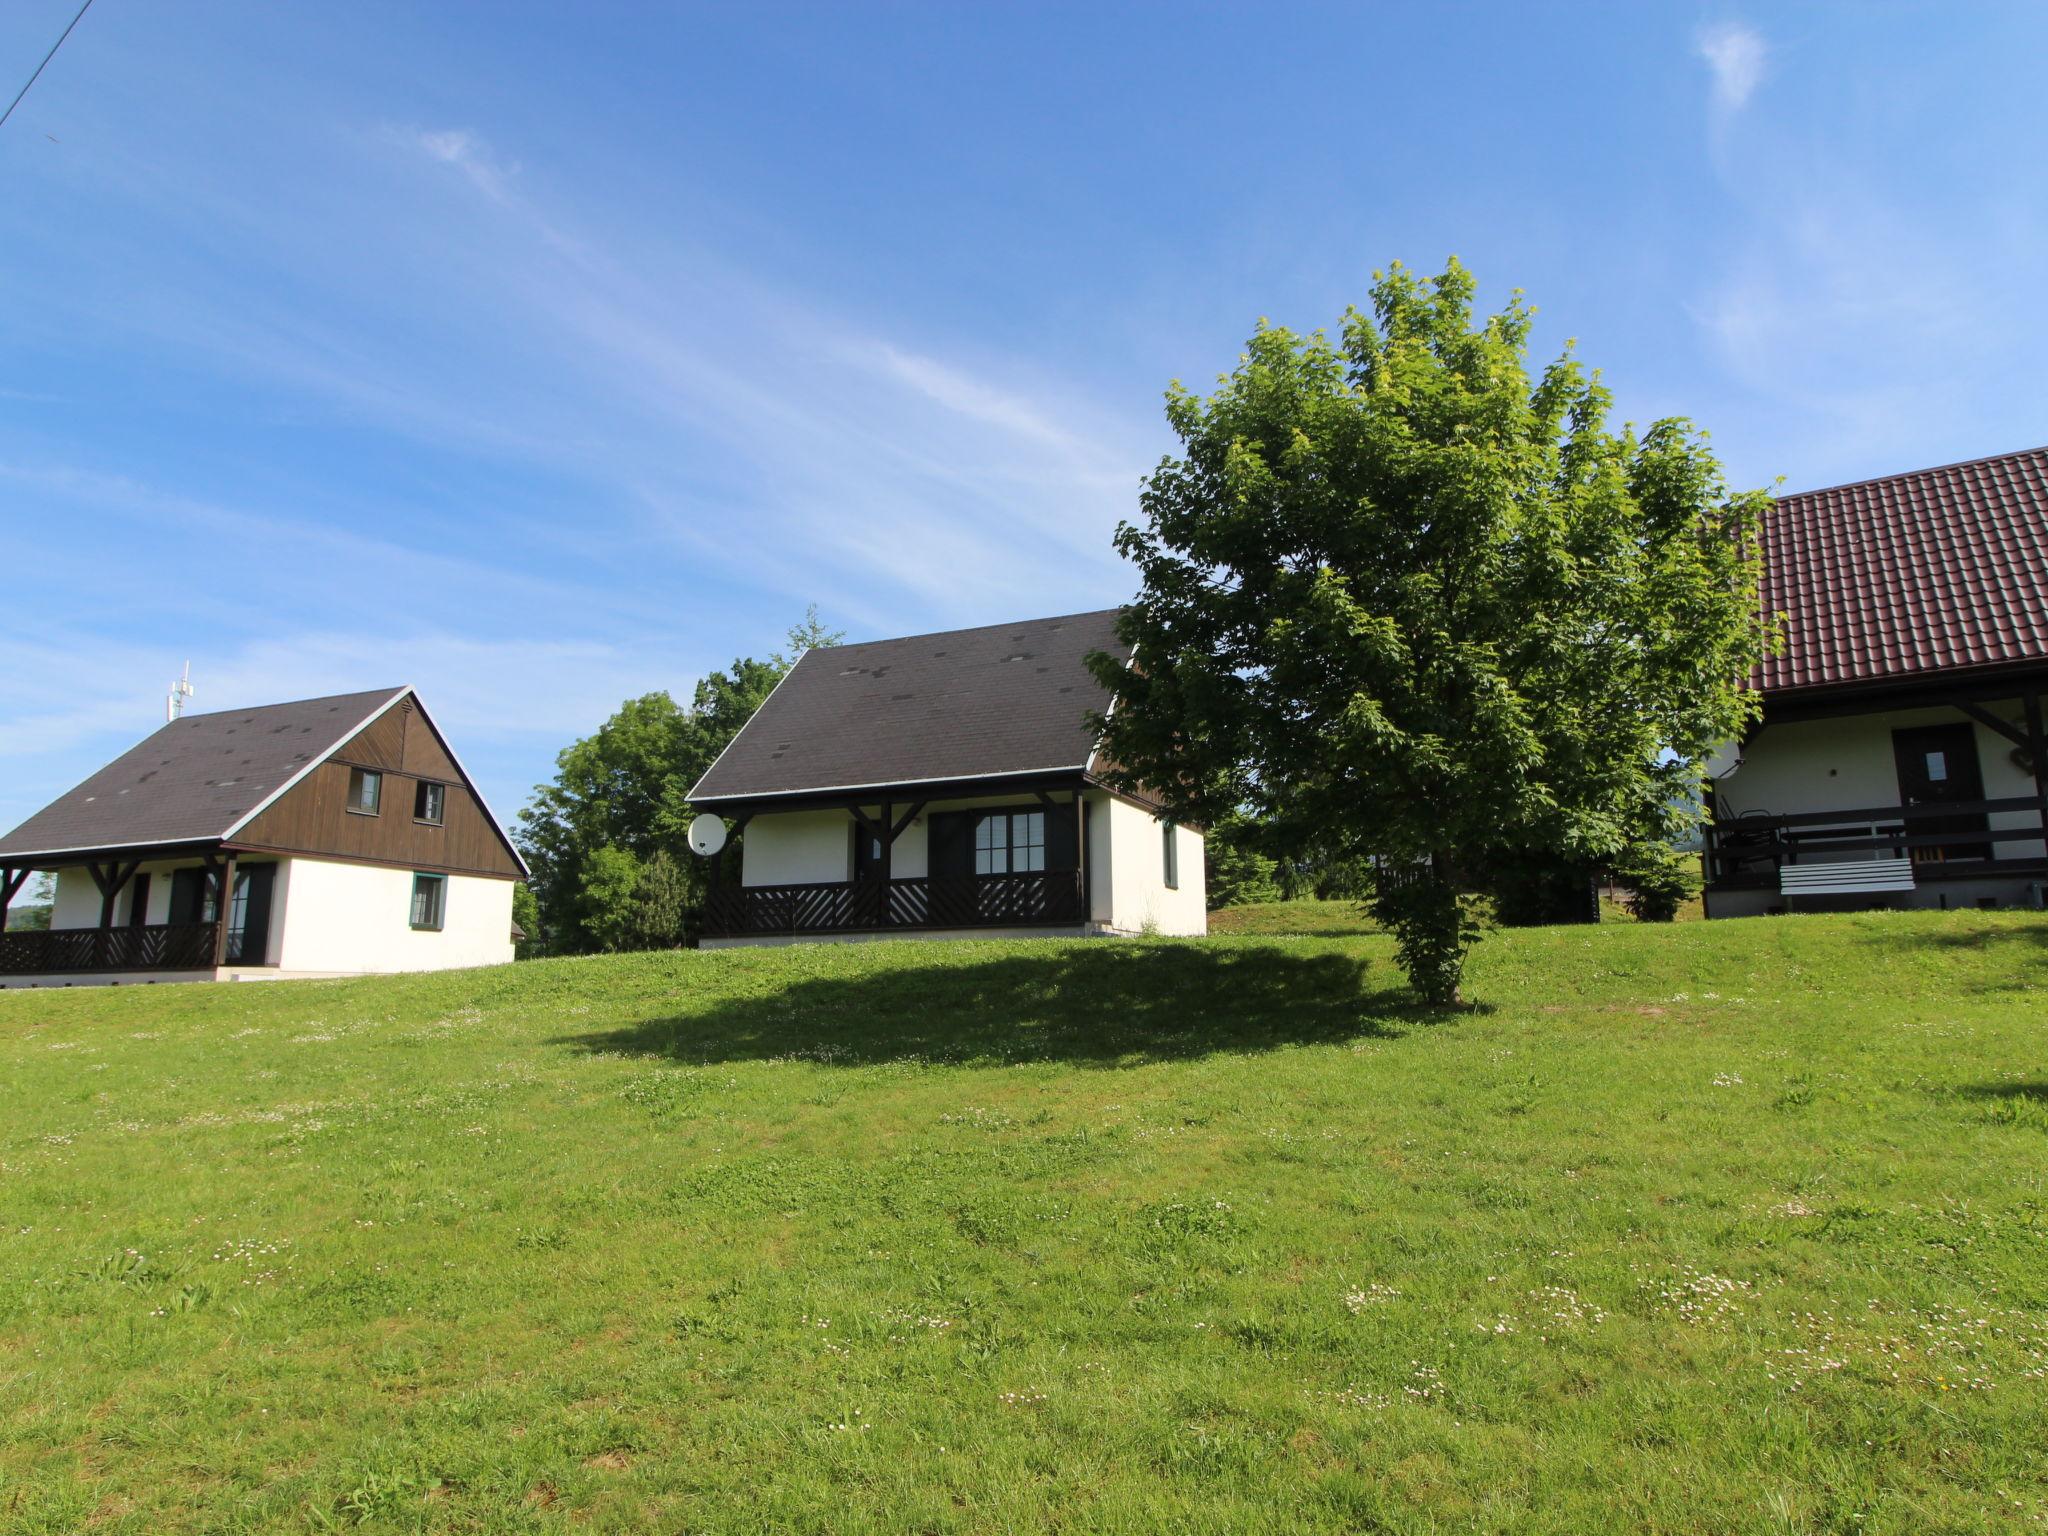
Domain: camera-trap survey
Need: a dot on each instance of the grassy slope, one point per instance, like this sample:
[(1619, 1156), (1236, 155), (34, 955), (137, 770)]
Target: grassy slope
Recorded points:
[(1712, 1227)]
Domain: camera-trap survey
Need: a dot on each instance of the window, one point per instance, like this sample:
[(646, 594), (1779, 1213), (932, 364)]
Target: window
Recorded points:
[(1009, 844), (1170, 849), (428, 801), (365, 791), (429, 900), (1937, 767)]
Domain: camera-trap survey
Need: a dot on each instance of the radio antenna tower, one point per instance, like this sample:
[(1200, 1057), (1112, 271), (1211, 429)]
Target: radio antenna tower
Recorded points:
[(181, 690)]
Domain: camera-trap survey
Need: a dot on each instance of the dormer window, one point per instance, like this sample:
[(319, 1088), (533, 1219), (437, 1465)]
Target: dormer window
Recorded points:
[(428, 802), (365, 791)]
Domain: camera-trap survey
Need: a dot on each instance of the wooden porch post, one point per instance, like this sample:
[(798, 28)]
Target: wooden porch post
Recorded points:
[(2037, 749), (1087, 906), (12, 878), (224, 905)]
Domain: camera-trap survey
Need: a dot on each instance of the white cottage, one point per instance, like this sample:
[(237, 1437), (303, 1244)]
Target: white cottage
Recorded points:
[(943, 785), (1900, 758), (328, 837)]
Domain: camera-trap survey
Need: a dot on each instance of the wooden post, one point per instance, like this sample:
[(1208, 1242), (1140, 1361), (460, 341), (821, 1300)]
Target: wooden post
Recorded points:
[(225, 904), (1086, 909), (12, 878), (2037, 749)]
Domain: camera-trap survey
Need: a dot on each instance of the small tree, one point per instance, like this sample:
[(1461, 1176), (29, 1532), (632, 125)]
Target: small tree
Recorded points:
[(1659, 879), (1238, 871), (1402, 602), (527, 919), (660, 898), (611, 877)]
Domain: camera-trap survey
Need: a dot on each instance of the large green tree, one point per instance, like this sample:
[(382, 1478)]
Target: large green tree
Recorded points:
[(1403, 601), (607, 840)]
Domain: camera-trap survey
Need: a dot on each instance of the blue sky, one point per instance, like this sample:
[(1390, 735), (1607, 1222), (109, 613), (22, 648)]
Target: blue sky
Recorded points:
[(543, 355)]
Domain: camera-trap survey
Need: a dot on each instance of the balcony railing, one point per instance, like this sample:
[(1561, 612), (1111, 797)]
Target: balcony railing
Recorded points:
[(149, 947), (976, 901), (1749, 850)]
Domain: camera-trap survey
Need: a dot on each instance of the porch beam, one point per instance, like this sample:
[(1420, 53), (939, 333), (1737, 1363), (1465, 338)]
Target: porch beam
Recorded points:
[(903, 822), (12, 879), (226, 903), (1991, 722)]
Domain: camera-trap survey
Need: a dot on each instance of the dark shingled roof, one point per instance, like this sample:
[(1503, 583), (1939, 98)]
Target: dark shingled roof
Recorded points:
[(1925, 572), (963, 704), (195, 779)]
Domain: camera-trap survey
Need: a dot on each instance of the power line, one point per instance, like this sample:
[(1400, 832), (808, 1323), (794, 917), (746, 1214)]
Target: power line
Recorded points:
[(32, 79)]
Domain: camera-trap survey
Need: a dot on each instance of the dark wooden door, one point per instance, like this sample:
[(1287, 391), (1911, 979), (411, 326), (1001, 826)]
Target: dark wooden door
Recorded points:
[(249, 915), (1938, 766), (950, 851)]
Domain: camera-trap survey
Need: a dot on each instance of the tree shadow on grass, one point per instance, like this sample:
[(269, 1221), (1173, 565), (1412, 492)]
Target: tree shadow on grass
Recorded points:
[(1098, 1004), (2035, 1092)]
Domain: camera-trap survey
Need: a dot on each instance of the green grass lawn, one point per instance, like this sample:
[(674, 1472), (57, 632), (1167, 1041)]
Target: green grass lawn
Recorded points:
[(1706, 1227)]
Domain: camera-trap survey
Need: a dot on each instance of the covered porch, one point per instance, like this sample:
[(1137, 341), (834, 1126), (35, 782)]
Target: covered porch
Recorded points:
[(971, 855), (1930, 795), (160, 910)]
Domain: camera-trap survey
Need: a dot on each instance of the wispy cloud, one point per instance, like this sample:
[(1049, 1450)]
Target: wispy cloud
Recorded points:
[(1734, 53), (467, 153)]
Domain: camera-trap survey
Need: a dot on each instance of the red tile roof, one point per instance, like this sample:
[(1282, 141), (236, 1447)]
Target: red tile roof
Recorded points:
[(1925, 572)]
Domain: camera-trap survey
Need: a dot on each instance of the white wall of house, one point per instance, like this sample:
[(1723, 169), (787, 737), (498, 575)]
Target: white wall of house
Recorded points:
[(357, 918), (1140, 899), (1127, 889), (1847, 764), (797, 848), (332, 918)]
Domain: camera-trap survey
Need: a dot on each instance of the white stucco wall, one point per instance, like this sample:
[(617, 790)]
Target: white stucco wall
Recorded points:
[(797, 848), (1139, 897), (1847, 764), (357, 918)]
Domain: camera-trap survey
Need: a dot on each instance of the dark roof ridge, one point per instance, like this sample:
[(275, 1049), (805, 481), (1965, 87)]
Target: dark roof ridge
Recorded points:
[(1910, 474), (393, 692), (970, 629)]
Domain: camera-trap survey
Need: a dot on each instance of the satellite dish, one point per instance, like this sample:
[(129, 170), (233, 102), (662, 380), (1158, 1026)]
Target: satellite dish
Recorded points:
[(1723, 760), (707, 834)]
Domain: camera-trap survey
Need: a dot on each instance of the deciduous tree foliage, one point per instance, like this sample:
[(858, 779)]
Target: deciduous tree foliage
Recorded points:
[(1402, 600), (608, 841)]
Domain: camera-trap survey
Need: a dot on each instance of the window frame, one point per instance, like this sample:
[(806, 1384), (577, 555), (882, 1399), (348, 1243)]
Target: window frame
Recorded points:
[(357, 777), (439, 920), (1008, 846), (421, 788), (1169, 849)]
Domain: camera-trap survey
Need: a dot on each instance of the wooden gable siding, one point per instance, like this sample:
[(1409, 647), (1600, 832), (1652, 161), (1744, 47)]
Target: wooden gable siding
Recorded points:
[(313, 818), (381, 743)]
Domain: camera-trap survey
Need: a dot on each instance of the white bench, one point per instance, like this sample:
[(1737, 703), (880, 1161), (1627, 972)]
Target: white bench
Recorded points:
[(1850, 879)]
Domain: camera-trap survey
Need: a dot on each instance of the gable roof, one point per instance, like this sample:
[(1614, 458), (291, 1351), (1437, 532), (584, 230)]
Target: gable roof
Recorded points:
[(1925, 572), (201, 778), (1004, 699)]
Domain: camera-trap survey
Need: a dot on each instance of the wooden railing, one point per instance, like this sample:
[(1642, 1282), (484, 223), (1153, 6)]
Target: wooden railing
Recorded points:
[(149, 947), (978, 901), (1750, 849)]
